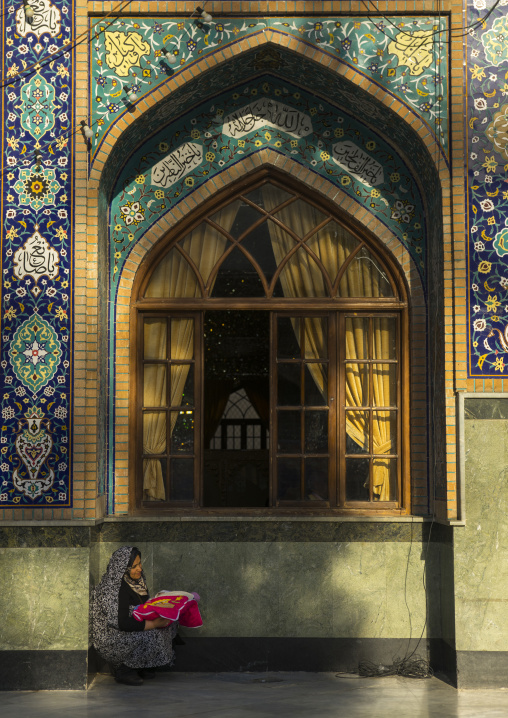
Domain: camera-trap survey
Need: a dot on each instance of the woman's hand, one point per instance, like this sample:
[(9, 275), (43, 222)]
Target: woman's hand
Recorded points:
[(157, 623)]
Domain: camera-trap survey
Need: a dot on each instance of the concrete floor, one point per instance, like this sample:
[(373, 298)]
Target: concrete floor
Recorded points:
[(259, 695)]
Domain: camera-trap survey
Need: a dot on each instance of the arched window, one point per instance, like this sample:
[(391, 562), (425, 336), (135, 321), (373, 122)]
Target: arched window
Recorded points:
[(271, 366)]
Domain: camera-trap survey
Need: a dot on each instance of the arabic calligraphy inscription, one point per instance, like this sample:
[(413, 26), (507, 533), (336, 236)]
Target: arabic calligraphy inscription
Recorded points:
[(35, 258), (177, 164), (124, 50), (358, 163), (267, 113)]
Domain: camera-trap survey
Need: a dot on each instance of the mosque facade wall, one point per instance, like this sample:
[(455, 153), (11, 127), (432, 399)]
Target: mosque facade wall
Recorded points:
[(70, 262)]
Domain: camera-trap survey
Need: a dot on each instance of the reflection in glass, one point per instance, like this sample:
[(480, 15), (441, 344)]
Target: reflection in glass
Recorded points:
[(268, 196), (357, 480), (289, 385), (315, 331), (357, 428), (365, 277), (289, 438), (259, 246), (384, 428), (154, 385), (384, 380), (155, 339), (316, 432), (182, 432), (288, 337), (357, 385), (316, 479), (384, 479), (181, 479), (315, 381), (384, 338), (289, 479), (154, 432)]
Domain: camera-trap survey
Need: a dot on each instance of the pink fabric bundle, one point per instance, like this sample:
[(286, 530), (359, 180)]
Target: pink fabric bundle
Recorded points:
[(173, 605)]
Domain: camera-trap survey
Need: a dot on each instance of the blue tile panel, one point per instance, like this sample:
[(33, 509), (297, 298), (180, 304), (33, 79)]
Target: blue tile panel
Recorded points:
[(36, 228)]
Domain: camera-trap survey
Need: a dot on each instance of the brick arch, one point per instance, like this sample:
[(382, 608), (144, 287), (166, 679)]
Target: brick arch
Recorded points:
[(139, 255), (162, 95)]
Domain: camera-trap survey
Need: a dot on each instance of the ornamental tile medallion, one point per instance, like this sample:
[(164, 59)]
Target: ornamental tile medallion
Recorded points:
[(37, 187), (33, 447), (46, 19), (35, 353), (37, 112)]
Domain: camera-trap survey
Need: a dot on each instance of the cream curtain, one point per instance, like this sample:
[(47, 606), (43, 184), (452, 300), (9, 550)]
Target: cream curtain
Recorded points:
[(174, 278), (302, 277)]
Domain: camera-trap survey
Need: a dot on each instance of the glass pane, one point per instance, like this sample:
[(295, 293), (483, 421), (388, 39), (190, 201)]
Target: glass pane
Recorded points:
[(259, 246), (154, 385), (288, 346), (384, 432), (154, 432), (357, 338), (289, 479), (384, 340), (384, 479), (227, 217), (179, 375), (316, 479), (332, 244), (316, 384), (268, 196), (205, 246), (181, 479), (187, 397), (357, 480), (182, 432), (182, 339), (155, 339), (316, 432), (173, 277), (384, 380), (315, 334), (237, 278), (301, 276), (289, 432), (357, 385), (289, 385), (365, 278), (154, 480), (300, 217), (357, 429)]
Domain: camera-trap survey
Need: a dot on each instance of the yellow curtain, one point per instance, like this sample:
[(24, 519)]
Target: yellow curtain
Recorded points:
[(302, 277), (174, 278)]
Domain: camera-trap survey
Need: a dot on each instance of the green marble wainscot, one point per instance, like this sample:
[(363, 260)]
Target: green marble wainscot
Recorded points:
[(298, 588), (481, 548), (46, 605)]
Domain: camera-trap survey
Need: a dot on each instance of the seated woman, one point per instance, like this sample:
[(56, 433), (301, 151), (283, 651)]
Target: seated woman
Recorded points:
[(132, 648)]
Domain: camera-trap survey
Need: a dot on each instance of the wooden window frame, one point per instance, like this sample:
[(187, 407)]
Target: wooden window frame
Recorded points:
[(397, 305)]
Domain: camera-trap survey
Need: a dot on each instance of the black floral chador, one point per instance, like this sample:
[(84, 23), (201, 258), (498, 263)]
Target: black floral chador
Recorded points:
[(135, 647)]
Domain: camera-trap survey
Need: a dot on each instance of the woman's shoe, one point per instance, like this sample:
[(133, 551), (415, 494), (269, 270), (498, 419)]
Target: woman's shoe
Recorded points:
[(128, 676), (147, 673)]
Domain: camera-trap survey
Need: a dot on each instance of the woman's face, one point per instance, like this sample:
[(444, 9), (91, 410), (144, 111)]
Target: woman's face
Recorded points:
[(136, 569)]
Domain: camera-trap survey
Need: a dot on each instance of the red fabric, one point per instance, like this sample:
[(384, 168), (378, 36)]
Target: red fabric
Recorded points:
[(173, 605)]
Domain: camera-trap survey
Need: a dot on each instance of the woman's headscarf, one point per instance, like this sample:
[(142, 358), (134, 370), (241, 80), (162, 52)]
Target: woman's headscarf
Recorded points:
[(105, 595), (137, 585)]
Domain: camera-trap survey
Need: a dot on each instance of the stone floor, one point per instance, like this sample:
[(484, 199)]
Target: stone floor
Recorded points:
[(260, 695)]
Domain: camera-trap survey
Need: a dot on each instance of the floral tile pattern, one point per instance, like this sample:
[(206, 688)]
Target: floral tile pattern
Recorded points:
[(137, 54), (36, 228), (487, 167)]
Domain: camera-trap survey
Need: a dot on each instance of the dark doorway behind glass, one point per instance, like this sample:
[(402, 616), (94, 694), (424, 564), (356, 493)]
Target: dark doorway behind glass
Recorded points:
[(236, 408)]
